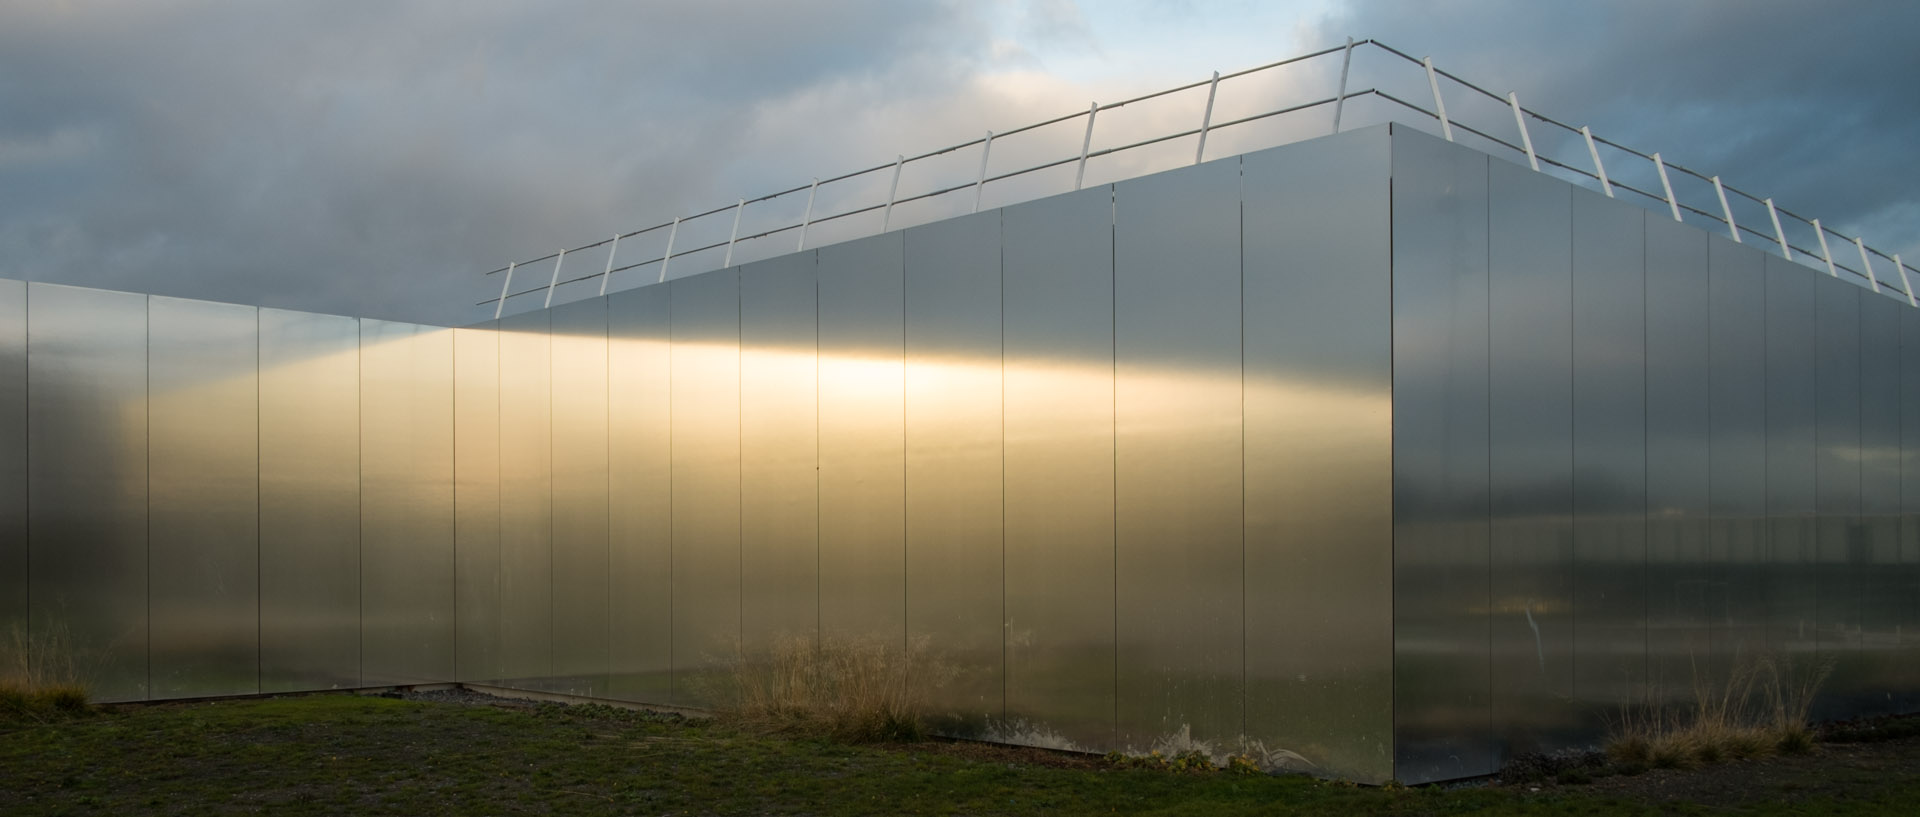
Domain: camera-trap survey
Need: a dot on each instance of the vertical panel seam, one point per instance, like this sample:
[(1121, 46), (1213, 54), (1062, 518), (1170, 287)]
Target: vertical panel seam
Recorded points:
[(906, 610), (1573, 446), (1113, 395), (819, 632), (26, 444), (1392, 465), (1240, 239), (146, 305), (360, 497), (453, 497), (606, 409), (739, 465), (497, 666), (551, 661), (1485, 273), (259, 545), (1646, 474), (673, 675), (1005, 664)]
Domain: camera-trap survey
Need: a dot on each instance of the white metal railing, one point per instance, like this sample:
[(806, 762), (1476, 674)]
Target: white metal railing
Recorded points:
[(1589, 168)]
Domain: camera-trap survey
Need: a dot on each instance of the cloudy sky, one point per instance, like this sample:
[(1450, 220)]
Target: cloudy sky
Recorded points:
[(374, 158)]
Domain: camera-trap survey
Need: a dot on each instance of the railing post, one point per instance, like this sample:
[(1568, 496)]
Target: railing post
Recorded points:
[(1866, 264), (1786, 250), (555, 281), (1672, 204), (808, 217), (1599, 169), (1085, 143), (886, 216), (1340, 102), (504, 286), (608, 275), (735, 235), (1439, 105), (1732, 228), (1206, 119), (986, 149), (1905, 282), (671, 233), (1526, 139), (1825, 254)]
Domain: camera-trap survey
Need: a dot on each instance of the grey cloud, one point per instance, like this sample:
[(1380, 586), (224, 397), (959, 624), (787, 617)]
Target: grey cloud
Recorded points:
[(371, 158), (1811, 103)]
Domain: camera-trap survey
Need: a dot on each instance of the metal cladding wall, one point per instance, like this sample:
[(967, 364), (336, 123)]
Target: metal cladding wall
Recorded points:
[(1102, 471), (1630, 457), (1368, 455)]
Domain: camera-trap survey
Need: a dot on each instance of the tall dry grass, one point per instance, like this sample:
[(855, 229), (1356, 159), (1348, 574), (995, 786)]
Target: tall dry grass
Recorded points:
[(853, 690), (39, 680), (1759, 708)]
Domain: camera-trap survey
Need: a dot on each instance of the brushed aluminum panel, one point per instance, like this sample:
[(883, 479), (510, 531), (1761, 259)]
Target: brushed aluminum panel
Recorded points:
[(1441, 587), (203, 521), (1530, 404), (1838, 538), (406, 507), (526, 498), (706, 484), (476, 502), (1179, 559), (779, 419), (1908, 572), (580, 551), (955, 590), (638, 476), (1059, 512), (1737, 479), (1678, 458), (1319, 470), (1876, 563), (862, 459), (309, 501), (1609, 454), (1791, 451), (13, 465), (87, 481)]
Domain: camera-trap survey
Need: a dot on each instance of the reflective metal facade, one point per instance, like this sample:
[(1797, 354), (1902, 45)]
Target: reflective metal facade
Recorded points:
[(476, 504), (1679, 458), (1530, 405), (309, 501), (13, 457), (581, 612), (406, 503), (1698, 455), (87, 482), (706, 484), (1180, 594), (1368, 455), (779, 480), (1442, 562), (955, 588), (640, 567), (526, 499), (1058, 511), (1319, 551), (203, 519)]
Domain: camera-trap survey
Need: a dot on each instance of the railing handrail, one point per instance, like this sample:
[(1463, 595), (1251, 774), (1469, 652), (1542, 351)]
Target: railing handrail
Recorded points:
[(1432, 73)]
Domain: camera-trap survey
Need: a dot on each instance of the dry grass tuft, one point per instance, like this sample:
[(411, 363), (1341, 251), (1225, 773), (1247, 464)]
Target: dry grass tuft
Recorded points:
[(852, 690), (38, 679), (1760, 707)]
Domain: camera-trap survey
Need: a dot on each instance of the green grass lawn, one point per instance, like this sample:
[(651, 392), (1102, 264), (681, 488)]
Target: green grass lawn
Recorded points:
[(339, 754)]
